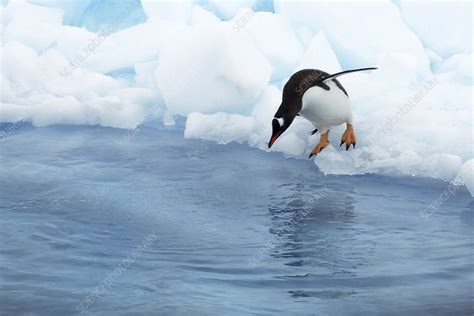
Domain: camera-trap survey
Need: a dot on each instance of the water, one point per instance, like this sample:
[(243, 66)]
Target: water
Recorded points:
[(217, 229)]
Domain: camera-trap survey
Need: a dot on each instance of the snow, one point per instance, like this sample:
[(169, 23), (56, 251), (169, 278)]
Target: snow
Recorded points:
[(223, 65)]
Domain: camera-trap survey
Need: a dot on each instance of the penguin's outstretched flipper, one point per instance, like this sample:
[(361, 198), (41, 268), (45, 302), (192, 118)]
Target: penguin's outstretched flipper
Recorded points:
[(333, 76)]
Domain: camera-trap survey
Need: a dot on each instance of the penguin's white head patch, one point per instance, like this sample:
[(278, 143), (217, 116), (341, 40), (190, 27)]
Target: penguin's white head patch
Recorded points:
[(278, 127), (279, 120)]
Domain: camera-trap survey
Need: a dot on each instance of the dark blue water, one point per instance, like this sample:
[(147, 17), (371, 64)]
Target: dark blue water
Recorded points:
[(105, 222)]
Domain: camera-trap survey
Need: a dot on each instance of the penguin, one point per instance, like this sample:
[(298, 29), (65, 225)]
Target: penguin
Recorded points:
[(321, 99)]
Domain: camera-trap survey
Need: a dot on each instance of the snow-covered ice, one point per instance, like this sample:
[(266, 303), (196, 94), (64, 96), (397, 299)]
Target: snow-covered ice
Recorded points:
[(223, 65)]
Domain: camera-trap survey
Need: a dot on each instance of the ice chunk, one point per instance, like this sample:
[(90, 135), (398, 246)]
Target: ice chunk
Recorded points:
[(59, 110), (435, 59), (98, 14), (168, 119), (263, 112), (83, 85), (226, 10), (400, 69), (290, 144), (73, 10), (145, 74), (211, 68), (319, 55), (106, 111), (358, 32), (117, 15), (331, 161), (219, 127), (35, 26), (442, 166), (20, 66), (143, 96), (202, 16), (143, 43), (42, 96), (175, 11), (8, 91), (274, 37), (466, 175), (73, 40), (443, 26), (105, 52), (457, 68), (267, 105), (13, 113)]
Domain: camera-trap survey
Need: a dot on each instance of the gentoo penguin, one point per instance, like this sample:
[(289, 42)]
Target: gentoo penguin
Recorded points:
[(321, 99)]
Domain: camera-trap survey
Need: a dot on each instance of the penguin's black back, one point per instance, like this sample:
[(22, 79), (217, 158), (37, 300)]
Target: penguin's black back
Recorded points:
[(297, 85), (304, 79)]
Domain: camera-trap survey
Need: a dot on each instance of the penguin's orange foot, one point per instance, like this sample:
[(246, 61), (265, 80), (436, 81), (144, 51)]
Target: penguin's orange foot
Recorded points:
[(348, 137), (323, 143)]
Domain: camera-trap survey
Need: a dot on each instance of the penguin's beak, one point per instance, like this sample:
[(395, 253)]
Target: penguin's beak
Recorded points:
[(277, 130), (274, 138)]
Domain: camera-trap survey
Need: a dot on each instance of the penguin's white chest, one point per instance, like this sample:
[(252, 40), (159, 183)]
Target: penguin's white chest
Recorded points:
[(326, 108)]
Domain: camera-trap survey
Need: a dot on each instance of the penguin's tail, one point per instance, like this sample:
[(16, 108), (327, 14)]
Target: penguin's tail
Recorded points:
[(346, 72)]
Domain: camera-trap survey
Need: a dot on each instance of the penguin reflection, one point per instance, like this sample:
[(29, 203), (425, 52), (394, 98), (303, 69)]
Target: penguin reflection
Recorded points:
[(314, 228)]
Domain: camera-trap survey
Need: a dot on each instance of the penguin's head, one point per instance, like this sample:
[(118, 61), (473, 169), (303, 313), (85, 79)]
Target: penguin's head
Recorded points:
[(279, 125)]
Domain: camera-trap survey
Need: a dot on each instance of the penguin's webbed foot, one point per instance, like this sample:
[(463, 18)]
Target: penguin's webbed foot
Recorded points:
[(348, 137), (323, 143)]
